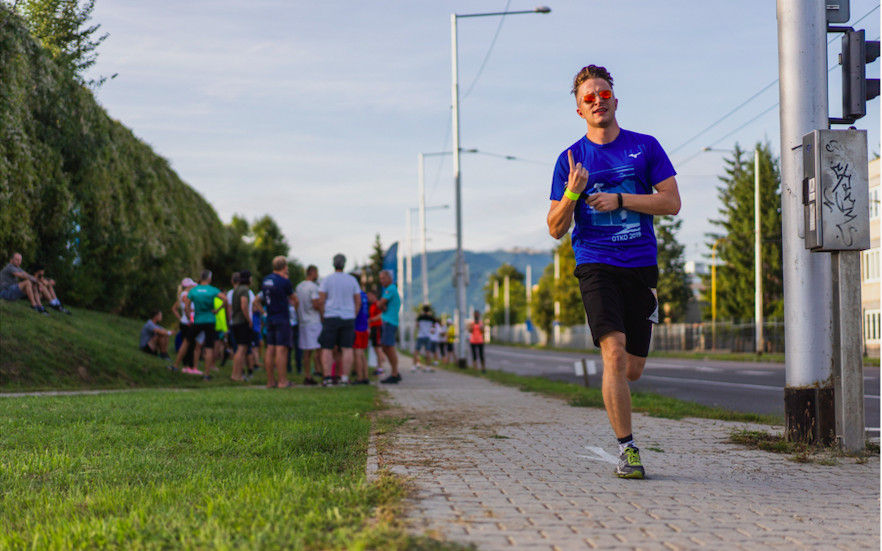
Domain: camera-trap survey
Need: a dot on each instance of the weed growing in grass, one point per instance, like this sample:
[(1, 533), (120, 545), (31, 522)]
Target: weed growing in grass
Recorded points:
[(802, 452)]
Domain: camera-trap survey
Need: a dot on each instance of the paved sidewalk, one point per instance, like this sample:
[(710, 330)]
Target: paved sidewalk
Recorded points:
[(504, 469)]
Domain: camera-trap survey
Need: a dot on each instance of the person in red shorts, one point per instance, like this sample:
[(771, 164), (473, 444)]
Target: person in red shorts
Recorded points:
[(375, 328), (361, 342)]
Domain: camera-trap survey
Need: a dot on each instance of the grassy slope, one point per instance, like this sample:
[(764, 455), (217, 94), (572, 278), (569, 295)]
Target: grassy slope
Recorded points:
[(85, 350)]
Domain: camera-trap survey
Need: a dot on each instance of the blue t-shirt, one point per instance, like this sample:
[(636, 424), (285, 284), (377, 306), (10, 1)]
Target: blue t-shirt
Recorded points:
[(632, 163), (276, 290), (202, 297), (390, 316), (361, 317)]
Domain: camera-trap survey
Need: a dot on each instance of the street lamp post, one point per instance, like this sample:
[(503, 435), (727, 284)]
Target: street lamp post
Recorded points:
[(459, 269), (422, 208), (407, 303), (757, 251)]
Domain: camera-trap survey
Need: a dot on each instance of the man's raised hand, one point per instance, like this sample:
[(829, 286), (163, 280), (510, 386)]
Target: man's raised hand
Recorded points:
[(578, 178)]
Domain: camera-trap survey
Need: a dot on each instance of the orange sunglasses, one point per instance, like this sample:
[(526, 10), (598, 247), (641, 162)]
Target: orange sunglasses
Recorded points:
[(591, 98)]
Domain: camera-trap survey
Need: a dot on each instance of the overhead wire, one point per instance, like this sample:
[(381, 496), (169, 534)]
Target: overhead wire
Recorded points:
[(730, 113), (727, 115)]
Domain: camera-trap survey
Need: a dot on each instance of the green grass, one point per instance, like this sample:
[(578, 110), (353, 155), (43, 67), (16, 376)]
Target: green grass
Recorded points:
[(747, 357), (88, 349), (652, 404), (218, 468)]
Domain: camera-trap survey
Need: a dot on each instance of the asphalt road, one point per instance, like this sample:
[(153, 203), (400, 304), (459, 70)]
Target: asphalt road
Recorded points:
[(736, 386)]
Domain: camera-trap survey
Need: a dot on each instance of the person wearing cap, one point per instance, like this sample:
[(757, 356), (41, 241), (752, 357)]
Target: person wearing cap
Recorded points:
[(181, 310), (340, 295), (275, 296)]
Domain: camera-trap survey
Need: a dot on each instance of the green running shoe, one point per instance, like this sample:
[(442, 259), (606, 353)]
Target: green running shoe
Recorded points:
[(629, 464)]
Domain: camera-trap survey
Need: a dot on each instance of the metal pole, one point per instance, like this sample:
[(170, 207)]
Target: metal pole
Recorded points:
[(507, 301), (808, 294), (848, 380), (459, 270), (757, 254), (424, 273), (556, 324), (714, 295)]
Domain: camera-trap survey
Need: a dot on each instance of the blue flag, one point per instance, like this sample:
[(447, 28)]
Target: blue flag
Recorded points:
[(390, 261)]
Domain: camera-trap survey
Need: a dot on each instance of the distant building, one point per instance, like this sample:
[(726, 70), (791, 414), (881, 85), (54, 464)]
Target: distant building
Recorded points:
[(694, 270), (871, 268)]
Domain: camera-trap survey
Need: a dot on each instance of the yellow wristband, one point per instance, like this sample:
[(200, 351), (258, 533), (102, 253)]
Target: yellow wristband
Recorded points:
[(570, 195)]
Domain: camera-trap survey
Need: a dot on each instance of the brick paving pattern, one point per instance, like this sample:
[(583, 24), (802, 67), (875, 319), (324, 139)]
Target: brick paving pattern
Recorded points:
[(503, 469)]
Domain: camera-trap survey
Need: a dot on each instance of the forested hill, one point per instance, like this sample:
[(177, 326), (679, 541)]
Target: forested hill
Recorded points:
[(80, 194), (442, 294)]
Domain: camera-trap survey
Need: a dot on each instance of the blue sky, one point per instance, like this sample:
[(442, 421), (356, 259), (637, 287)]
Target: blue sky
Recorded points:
[(315, 112)]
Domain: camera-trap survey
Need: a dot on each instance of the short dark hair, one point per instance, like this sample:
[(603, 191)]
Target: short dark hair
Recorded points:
[(154, 313), (205, 275), (245, 277), (311, 268), (589, 72)]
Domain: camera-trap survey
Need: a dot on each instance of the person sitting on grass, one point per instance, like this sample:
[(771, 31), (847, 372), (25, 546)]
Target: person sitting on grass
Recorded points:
[(15, 284), (154, 338), (47, 289)]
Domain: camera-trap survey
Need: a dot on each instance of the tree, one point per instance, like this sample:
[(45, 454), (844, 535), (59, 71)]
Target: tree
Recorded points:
[(564, 289), (269, 242), (62, 27), (371, 272), (673, 283), (517, 296), (735, 242)]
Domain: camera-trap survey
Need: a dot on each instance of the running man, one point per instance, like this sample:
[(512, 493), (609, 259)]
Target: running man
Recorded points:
[(612, 181)]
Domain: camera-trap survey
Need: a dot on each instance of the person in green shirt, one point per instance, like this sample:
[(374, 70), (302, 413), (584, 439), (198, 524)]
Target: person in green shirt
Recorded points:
[(202, 298)]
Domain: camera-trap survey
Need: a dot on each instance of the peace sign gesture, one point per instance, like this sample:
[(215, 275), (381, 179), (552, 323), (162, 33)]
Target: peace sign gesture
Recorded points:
[(578, 177)]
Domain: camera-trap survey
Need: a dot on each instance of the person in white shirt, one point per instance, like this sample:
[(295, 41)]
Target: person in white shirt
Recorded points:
[(310, 324), (340, 294)]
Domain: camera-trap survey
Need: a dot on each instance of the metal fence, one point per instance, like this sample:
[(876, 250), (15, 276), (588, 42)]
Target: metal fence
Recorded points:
[(723, 336)]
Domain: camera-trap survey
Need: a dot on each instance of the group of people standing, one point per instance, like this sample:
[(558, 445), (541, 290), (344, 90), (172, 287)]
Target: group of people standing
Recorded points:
[(329, 322)]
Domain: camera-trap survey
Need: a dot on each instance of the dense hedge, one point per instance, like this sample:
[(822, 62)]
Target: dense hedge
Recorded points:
[(80, 194)]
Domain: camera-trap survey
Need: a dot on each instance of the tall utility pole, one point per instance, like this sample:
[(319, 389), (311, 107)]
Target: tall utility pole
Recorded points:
[(808, 291), (757, 254), (459, 270)]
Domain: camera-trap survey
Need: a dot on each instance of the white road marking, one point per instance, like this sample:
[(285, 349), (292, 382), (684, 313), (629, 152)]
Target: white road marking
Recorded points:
[(601, 455)]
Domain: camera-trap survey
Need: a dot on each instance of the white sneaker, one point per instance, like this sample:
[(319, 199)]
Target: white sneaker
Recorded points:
[(415, 368)]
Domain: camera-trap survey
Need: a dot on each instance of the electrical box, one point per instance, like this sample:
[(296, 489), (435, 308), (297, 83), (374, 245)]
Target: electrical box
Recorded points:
[(837, 11), (836, 197)]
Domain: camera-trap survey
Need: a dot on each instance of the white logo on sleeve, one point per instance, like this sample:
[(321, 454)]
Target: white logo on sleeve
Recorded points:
[(634, 155)]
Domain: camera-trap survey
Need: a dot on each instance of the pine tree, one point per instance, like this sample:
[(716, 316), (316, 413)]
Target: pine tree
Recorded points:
[(371, 275), (673, 283), (735, 242)]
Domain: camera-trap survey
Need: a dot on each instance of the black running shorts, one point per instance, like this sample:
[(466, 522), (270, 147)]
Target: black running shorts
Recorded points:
[(620, 299)]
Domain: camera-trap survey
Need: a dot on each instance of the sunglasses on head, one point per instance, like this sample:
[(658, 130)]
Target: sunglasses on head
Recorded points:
[(591, 97)]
